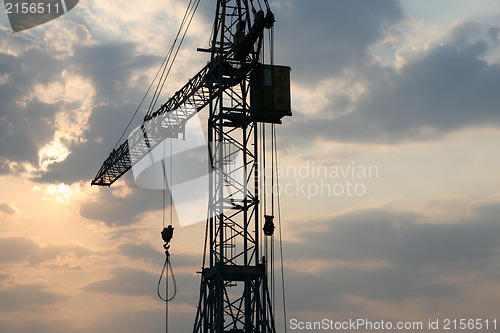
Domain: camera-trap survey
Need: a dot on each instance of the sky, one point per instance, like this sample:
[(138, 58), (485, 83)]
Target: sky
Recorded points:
[(388, 167)]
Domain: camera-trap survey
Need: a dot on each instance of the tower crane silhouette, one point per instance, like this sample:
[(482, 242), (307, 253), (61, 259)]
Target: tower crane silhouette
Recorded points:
[(242, 94)]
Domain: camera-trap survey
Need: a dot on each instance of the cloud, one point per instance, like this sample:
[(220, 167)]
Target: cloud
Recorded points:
[(27, 118), (86, 123), (3, 277), (110, 66), (105, 124), (147, 252), (134, 282), (8, 208), (141, 251), (140, 320), (15, 249), (29, 324), (26, 123), (130, 282), (126, 281), (398, 238), (116, 210), (384, 255), (444, 89), (319, 39), (28, 297), (116, 72)]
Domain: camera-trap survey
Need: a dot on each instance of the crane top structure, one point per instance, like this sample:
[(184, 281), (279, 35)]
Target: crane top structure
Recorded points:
[(235, 52), (243, 96)]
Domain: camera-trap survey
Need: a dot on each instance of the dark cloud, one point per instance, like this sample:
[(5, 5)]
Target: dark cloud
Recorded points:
[(106, 124), (413, 258), (29, 324), (126, 281), (184, 259), (125, 234), (147, 252), (121, 210), (140, 320), (141, 251), (396, 237), (27, 297), (3, 277), (445, 89), (15, 249), (109, 66), (321, 38), (33, 66), (134, 282), (494, 33), (8, 208), (52, 251), (487, 212), (26, 123)]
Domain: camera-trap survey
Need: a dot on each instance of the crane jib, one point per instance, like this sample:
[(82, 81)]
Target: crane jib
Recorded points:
[(168, 121)]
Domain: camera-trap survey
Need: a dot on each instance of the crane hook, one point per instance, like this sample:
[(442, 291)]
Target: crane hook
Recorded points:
[(167, 234)]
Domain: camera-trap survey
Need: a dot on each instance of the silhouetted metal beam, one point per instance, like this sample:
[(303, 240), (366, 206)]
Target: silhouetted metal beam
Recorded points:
[(169, 120)]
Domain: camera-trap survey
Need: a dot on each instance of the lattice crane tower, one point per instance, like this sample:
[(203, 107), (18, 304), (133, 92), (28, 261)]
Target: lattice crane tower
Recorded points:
[(241, 93)]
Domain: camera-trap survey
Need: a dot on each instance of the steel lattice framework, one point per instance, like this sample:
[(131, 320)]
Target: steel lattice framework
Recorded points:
[(234, 295), (167, 122), (234, 292)]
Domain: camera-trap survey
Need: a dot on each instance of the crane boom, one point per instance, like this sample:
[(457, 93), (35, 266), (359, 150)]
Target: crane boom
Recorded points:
[(168, 121)]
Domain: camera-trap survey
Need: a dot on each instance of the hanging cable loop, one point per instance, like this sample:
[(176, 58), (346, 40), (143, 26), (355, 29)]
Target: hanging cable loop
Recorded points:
[(167, 235), (167, 266)]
